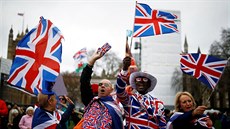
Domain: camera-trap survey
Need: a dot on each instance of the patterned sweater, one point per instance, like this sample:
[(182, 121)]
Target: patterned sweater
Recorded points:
[(141, 111)]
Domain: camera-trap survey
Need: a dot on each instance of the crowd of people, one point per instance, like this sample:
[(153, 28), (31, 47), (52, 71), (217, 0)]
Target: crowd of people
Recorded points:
[(125, 105)]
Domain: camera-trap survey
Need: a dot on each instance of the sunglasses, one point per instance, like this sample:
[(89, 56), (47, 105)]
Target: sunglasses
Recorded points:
[(105, 84), (141, 79), (61, 99)]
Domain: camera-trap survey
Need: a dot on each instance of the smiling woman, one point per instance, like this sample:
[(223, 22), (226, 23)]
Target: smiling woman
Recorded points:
[(187, 115)]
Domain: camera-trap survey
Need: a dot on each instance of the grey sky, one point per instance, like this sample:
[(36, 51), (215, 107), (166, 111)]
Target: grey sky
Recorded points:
[(89, 23)]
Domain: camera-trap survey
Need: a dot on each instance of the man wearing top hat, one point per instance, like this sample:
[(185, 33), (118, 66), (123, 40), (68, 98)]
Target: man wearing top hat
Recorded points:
[(141, 109)]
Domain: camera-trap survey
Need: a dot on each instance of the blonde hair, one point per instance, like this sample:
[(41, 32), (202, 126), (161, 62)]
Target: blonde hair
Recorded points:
[(42, 100), (177, 100), (29, 108)]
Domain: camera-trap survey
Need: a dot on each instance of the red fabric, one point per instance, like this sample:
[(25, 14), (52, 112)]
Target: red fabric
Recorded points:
[(133, 62), (129, 89), (97, 116), (3, 108), (94, 88)]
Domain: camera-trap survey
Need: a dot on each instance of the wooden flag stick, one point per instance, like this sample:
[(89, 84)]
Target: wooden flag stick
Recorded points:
[(133, 27), (131, 43), (207, 102)]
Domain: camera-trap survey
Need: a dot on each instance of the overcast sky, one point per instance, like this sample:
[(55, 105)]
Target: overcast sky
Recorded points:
[(88, 23)]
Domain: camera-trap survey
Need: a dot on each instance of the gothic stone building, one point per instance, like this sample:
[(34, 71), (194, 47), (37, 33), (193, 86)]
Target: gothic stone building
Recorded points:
[(8, 92)]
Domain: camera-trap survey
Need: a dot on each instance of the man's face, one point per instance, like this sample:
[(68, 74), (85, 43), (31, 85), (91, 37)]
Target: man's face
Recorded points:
[(142, 84), (104, 88)]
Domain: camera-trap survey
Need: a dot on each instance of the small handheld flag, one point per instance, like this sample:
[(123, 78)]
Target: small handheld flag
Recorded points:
[(207, 69), (80, 59), (129, 33), (105, 48)]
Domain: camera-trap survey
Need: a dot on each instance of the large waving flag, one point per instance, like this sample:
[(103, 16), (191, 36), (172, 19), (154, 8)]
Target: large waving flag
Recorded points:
[(38, 57), (150, 22), (207, 69), (80, 59)]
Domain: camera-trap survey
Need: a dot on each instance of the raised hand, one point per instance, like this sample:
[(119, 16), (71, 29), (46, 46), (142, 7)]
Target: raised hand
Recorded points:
[(96, 55), (126, 63), (199, 110)]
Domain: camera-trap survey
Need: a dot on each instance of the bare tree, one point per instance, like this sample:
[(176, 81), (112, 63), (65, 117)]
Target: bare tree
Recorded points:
[(221, 49), (72, 83), (177, 80), (108, 66)]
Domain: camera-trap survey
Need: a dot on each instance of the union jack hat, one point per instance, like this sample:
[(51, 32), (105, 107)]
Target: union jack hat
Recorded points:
[(142, 74), (47, 90)]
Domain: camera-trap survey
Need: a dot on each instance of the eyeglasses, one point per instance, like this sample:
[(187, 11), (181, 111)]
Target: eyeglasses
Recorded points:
[(105, 84), (141, 79), (61, 99)]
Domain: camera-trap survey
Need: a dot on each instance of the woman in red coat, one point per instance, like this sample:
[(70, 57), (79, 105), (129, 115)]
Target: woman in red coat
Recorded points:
[(3, 114)]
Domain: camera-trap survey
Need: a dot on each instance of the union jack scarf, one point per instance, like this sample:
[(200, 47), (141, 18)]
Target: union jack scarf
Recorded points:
[(45, 120), (202, 121), (172, 118), (113, 108)]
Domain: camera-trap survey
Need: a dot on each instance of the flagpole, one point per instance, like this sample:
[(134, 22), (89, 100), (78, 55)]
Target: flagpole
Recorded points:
[(126, 44), (208, 100), (133, 27), (23, 22), (228, 64), (22, 14)]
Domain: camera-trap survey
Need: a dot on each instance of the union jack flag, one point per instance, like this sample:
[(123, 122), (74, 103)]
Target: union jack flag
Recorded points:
[(202, 120), (38, 58), (105, 48), (207, 69), (150, 22), (45, 120)]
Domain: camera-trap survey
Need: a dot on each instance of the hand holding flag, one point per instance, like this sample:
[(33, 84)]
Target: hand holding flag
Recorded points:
[(105, 48)]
